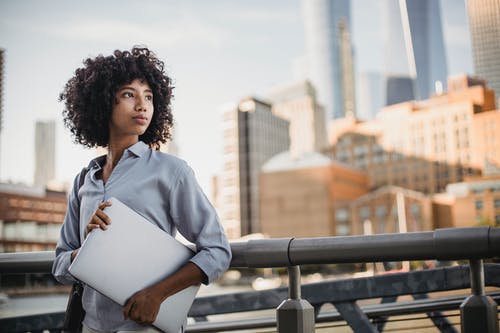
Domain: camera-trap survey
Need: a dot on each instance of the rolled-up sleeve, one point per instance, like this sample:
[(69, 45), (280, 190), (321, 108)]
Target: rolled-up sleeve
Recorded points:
[(68, 239), (197, 220)]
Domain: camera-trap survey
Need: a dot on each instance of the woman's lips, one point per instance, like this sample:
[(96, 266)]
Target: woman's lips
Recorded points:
[(140, 120)]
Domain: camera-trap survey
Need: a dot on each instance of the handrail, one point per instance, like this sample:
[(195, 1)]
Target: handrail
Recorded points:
[(441, 244), (449, 243), (473, 244)]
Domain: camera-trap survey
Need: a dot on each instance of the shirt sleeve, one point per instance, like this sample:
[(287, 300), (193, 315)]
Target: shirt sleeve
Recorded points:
[(68, 239), (196, 219)]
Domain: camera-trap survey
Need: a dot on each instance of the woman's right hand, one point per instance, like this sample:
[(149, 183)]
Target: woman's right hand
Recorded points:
[(74, 254), (99, 219)]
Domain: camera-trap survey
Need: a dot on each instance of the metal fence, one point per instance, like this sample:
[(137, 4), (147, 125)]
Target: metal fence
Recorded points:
[(478, 312)]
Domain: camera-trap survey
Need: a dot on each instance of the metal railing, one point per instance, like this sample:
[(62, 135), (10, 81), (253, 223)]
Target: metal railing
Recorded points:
[(478, 312)]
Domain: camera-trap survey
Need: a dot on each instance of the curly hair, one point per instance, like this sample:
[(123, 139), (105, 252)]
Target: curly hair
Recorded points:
[(89, 96)]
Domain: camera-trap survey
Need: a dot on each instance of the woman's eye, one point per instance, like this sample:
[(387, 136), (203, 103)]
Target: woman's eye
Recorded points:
[(149, 98), (127, 94)]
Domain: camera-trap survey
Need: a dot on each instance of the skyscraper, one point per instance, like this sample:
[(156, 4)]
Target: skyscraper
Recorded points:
[(1, 92), (424, 50), (484, 25), (346, 69), (326, 24), (399, 89), (45, 152), (296, 102), (252, 135), (371, 92), (1, 87)]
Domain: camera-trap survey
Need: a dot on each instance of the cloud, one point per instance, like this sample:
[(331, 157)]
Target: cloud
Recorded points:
[(182, 32)]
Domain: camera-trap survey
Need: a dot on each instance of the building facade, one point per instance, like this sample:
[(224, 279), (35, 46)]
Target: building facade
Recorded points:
[(297, 103), (30, 218), (389, 209), (484, 25), (252, 135), (2, 52), (469, 203), (426, 145), (423, 50), (371, 92), (399, 89), (323, 22), (298, 195), (45, 152)]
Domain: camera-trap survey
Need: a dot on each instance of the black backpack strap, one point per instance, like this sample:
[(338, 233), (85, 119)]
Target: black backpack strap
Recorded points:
[(74, 310), (81, 180)]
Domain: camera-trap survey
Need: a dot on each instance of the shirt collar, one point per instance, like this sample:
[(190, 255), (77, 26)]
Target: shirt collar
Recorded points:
[(138, 149)]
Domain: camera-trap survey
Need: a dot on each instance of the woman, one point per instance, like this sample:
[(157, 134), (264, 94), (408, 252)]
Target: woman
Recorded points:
[(122, 102)]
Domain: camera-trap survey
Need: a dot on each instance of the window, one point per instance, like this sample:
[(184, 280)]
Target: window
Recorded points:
[(364, 212), (381, 211), (342, 230), (415, 209), (496, 203), (478, 190), (479, 204), (342, 214)]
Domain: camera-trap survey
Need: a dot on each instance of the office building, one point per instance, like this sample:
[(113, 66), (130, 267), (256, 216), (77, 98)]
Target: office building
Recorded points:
[(326, 26), (297, 104), (469, 203), (30, 218), (389, 209), (371, 92), (2, 52), (484, 25), (45, 152), (252, 135), (424, 49), (399, 89), (297, 195), (346, 69), (426, 145)]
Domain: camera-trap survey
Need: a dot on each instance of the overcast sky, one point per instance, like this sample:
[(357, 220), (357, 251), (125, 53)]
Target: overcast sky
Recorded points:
[(216, 51)]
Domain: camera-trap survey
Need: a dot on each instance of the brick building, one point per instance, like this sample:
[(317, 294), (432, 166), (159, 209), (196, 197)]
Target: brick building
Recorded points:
[(30, 218)]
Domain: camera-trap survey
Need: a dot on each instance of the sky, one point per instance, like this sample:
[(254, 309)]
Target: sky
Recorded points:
[(217, 52)]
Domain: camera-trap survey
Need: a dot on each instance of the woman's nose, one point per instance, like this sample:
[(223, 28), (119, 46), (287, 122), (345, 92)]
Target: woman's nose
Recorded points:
[(140, 103)]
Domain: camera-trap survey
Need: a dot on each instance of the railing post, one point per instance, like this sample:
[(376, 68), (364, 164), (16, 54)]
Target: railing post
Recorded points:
[(295, 315), (478, 312)]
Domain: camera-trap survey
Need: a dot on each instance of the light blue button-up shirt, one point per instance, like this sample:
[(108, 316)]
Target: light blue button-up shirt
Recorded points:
[(163, 189)]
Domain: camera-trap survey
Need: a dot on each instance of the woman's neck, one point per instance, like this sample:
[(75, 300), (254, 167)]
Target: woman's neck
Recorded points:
[(116, 148)]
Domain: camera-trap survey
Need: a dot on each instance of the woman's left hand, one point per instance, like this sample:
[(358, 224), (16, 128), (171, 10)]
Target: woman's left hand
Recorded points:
[(143, 306)]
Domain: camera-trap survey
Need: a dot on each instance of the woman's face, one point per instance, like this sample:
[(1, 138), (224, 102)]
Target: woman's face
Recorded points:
[(132, 109)]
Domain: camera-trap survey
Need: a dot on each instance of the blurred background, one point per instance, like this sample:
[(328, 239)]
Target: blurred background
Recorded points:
[(300, 118)]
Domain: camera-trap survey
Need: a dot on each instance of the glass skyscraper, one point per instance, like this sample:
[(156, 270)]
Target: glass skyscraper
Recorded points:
[(325, 24), (424, 49), (484, 24), (45, 152)]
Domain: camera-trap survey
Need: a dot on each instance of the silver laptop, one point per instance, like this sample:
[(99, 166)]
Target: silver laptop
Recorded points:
[(130, 255)]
